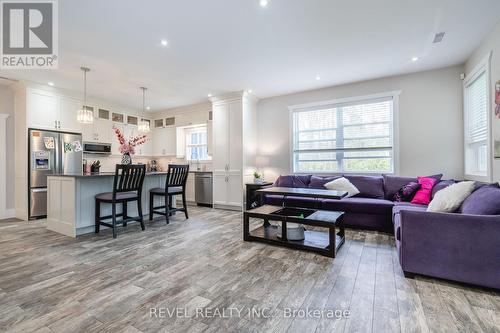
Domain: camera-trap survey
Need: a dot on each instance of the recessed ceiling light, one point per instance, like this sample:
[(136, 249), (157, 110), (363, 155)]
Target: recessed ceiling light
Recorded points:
[(51, 84), (209, 95), (250, 91), (164, 42), (318, 77), (148, 108), (414, 59), (263, 3)]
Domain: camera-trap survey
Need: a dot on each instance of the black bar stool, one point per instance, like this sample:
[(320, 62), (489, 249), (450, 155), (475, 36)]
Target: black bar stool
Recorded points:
[(174, 185), (127, 187)]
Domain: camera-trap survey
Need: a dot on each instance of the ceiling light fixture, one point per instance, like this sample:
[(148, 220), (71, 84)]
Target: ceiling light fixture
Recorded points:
[(164, 42), (51, 84), (263, 3), (85, 115), (144, 126), (209, 95), (250, 91), (148, 108), (414, 59), (318, 77)]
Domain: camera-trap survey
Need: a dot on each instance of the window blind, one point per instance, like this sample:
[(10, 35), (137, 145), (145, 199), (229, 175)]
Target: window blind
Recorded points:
[(344, 137), (477, 110)]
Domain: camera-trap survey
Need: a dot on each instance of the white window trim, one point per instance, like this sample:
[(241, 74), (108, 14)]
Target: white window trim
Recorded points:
[(395, 126), (187, 131), (482, 66)]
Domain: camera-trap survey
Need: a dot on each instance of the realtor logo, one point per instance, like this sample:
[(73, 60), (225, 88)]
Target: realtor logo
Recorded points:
[(29, 34)]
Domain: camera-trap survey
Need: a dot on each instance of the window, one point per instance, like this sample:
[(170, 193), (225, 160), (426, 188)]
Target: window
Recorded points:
[(196, 144), (476, 123), (344, 137)]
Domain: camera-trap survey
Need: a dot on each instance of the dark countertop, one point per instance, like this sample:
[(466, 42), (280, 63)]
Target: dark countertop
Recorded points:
[(199, 171), (101, 174)]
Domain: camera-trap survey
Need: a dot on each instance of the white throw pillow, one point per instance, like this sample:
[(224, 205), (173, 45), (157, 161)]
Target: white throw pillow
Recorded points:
[(450, 198), (342, 184)]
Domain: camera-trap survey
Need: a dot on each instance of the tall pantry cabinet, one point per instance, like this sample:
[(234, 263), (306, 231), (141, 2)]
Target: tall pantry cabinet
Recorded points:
[(233, 132)]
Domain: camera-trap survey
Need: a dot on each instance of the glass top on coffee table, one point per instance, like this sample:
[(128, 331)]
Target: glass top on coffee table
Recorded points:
[(304, 192)]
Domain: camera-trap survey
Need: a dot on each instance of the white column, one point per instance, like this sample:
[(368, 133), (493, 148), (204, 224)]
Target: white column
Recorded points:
[(3, 165)]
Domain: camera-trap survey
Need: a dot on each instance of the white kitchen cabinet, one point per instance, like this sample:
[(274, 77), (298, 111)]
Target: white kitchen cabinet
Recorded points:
[(101, 130), (48, 110), (164, 141), (147, 148), (42, 109), (68, 108), (190, 190), (227, 153)]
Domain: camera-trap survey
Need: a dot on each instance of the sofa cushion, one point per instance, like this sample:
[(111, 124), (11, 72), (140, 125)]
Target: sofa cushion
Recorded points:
[(359, 205), (319, 182), (392, 184), (368, 186), (277, 200), (407, 192), (441, 185), (450, 198), (342, 184), (302, 202), (423, 196), (300, 181), (273, 199), (483, 201)]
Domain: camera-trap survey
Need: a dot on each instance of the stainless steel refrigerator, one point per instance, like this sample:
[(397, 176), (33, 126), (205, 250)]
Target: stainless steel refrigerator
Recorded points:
[(50, 153)]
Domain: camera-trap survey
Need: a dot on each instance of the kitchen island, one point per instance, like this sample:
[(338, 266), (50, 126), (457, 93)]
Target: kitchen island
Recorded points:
[(71, 203)]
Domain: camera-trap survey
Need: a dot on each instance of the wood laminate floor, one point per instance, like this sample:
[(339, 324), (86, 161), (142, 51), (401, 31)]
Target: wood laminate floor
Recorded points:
[(52, 283)]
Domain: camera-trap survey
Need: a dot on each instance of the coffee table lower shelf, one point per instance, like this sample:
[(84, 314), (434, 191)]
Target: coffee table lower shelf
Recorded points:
[(322, 242), (316, 241)]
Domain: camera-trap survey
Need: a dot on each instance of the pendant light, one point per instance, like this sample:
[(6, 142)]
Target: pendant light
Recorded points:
[(85, 115), (144, 124)]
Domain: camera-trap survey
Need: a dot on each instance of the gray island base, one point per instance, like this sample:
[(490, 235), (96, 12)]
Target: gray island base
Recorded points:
[(71, 203)]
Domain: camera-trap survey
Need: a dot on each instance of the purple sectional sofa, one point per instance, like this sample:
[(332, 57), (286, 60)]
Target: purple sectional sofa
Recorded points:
[(463, 246)]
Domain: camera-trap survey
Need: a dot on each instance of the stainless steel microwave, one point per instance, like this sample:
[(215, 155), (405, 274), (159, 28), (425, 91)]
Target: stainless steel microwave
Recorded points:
[(97, 148)]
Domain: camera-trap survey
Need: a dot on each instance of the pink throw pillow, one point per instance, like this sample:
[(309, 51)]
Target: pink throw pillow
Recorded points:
[(423, 196)]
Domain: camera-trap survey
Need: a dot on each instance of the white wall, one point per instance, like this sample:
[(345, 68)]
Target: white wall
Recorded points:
[(490, 43), (430, 121), (7, 107)]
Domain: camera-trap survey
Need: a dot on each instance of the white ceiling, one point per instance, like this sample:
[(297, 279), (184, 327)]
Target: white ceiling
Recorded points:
[(219, 46)]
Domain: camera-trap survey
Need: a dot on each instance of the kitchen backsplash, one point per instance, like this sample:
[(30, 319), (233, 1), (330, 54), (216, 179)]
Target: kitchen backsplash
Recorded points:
[(108, 163)]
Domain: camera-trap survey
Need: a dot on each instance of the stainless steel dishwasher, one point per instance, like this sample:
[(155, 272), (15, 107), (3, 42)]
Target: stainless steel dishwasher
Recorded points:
[(203, 184)]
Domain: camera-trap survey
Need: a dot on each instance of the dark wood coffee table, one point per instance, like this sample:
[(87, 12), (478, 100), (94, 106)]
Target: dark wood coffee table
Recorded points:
[(324, 243)]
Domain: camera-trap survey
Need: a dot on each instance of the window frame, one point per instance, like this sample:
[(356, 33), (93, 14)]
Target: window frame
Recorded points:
[(482, 67), (395, 128), (187, 132)]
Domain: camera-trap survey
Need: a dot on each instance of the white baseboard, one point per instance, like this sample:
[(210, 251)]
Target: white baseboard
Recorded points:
[(9, 213)]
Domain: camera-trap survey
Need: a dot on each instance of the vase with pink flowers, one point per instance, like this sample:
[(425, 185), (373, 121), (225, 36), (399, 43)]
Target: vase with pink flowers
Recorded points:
[(127, 148)]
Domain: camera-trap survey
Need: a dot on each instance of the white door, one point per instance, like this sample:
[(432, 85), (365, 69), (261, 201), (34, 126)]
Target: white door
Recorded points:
[(170, 141), (235, 190), (42, 109), (103, 130), (220, 153), (68, 113), (158, 135), (147, 148), (190, 188), (235, 158)]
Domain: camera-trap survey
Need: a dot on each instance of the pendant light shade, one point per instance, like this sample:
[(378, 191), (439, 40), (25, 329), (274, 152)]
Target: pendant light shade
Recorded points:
[(85, 115), (144, 124)]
